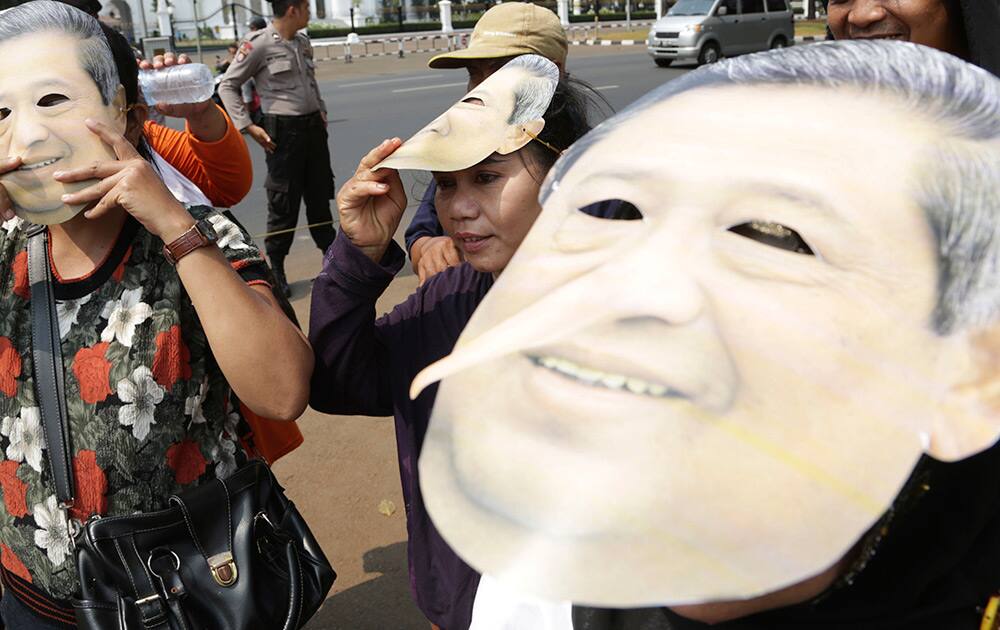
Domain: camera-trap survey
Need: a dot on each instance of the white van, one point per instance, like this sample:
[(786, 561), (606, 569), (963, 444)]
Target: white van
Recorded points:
[(706, 30)]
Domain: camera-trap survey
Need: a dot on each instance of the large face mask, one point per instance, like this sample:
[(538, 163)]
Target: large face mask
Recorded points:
[(499, 116), (45, 97), (717, 400)]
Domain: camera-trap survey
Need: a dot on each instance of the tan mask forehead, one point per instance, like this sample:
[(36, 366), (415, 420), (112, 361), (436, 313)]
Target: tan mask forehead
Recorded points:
[(48, 96), (500, 115)]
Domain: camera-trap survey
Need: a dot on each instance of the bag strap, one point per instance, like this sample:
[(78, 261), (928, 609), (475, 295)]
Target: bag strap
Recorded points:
[(46, 353)]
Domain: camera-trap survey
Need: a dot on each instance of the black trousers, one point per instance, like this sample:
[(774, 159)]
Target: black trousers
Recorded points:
[(298, 169)]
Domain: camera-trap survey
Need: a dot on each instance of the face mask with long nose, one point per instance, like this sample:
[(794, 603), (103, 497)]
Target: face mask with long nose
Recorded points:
[(45, 97), (501, 115)]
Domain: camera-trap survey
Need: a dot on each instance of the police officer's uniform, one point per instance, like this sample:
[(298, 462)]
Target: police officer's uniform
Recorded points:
[(299, 168)]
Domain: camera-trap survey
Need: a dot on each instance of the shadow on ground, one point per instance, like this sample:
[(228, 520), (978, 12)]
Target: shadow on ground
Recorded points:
[(357, 608)]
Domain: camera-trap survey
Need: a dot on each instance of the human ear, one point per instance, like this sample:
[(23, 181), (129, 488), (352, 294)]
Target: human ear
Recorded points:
[(969, 421), (121, 109), (518, 136)]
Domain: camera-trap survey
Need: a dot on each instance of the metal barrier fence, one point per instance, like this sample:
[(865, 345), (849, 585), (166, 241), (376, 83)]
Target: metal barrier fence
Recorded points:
[(375, 46)]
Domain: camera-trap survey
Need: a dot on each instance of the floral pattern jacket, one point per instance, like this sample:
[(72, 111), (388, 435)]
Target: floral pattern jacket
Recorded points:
[(150, 411)]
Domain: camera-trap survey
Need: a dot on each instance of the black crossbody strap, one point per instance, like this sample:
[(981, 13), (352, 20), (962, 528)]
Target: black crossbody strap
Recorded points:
[(46, 352)]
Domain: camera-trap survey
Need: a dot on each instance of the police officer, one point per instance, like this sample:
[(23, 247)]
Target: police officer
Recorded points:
[(280, 61)]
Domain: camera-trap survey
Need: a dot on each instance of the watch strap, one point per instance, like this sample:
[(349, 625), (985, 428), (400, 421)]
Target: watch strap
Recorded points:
[(184, 244)]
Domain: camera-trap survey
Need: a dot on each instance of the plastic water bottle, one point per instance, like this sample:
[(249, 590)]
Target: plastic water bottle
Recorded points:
[(189, 83)]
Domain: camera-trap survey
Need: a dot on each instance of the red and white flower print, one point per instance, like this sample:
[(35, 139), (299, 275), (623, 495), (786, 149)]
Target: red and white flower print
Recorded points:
[(52, 534), (91, 487), (124, 316), (10, 367), (187, 462), (15, 491), (173, 359), (92, 371), (141, 395), (26, 437)]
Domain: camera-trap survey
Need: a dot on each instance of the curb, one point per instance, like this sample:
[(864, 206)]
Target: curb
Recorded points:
[(589, 42)]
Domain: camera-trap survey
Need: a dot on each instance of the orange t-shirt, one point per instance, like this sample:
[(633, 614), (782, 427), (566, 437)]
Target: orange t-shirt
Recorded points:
[(221, 169)]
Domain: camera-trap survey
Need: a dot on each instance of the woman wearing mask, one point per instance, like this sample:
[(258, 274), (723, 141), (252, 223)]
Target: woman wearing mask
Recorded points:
[(153, 337), (365, 365)]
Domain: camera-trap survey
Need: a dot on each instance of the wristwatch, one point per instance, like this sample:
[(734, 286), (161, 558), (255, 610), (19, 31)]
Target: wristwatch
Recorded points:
[(201, 234)]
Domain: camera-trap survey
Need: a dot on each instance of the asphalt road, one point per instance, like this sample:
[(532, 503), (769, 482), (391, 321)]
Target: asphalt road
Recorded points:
[(397, 98)]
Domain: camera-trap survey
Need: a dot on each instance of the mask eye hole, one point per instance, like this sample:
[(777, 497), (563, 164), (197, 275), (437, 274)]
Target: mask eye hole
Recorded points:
[(613, 210), (773, 235), (4, 113), (473, 100), (51, 100)]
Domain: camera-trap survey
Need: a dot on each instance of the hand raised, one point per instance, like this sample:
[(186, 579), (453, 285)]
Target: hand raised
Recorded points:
[(182, 110), (439, 253), (371, 203), (129, 182), (7, 165)]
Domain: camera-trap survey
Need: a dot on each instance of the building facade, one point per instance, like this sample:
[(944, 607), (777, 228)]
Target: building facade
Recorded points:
[(220, 19)]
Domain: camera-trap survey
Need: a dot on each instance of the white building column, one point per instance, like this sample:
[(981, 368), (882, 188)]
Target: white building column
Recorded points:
[(445, 8), (163, 12), (659, 8), (563, 6)]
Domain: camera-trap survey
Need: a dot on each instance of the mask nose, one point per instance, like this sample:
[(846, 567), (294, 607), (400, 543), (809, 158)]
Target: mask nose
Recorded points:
[(656, 281), (27, 131)]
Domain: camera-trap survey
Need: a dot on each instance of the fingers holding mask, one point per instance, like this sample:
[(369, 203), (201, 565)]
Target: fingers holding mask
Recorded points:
[(7, 165)]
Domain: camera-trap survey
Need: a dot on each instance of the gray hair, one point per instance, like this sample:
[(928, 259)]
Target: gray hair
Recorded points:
[(95, 52), (958, 184), (532, 97)]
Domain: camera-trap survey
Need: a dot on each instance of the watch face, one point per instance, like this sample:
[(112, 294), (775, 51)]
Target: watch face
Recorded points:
[(207, 230)]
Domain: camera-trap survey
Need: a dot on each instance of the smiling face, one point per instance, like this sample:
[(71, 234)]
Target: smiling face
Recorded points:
[(478, 125), (926, 22), (715, 401), (45, 96), (489, 208)]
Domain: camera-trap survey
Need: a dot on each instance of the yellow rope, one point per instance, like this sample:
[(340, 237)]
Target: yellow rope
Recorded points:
[(294, 229)]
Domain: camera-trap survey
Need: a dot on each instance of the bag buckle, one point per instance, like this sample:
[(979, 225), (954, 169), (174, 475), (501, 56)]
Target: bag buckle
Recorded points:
[(73, 528), (223, 567)]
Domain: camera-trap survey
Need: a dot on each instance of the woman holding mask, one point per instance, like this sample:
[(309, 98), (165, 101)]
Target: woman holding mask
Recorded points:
[(152, 336), (489, 154)]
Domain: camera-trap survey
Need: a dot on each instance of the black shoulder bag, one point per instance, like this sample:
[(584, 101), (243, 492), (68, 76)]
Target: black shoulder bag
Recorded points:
[(231, 554)]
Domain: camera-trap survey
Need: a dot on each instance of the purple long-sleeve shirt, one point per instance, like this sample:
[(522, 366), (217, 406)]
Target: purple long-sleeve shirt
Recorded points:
[(364, 366)]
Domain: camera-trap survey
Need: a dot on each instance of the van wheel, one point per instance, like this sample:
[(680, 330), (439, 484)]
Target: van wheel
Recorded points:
[(664, 63), (709, 54), (779, 42)]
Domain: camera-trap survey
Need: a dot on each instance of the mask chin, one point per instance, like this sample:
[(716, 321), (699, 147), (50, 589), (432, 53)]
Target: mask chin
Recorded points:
[(59, 215), (44, 206)]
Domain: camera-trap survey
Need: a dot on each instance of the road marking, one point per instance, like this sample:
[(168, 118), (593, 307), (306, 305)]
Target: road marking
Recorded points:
[(363, 83), (608, 87), (429, 87)]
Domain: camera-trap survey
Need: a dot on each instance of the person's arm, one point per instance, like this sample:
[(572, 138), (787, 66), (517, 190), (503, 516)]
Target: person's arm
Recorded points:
[(431, 250), (315, 83), (425, 221), (245, 66), (221, 168), (268, 370), (352, 373)]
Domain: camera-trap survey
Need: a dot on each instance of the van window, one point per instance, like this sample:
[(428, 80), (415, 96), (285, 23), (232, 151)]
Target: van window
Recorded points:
[(691, 7), (776, 6), (753, 6), (732, 6)]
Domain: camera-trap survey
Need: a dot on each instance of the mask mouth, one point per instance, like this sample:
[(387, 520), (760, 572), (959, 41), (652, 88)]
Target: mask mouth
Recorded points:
[(38, 164)]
